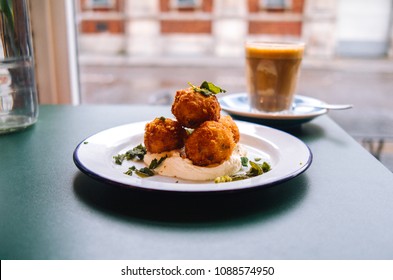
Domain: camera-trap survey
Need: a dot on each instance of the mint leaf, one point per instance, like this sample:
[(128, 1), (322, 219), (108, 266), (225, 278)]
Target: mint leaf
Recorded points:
[(211, 87), (155, 163), (144, 172), (244, 161), (207, 89), (136, 152)]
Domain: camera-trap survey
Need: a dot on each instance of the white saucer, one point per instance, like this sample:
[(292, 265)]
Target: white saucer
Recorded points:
[(237, 105)]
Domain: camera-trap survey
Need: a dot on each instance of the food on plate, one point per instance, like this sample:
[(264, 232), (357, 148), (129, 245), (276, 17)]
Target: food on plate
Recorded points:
[(256, 169), (211, 143), (199, 145), (136, 152), (192, 108), (228, 122), (174, 164), (164, 134), (177, 166)]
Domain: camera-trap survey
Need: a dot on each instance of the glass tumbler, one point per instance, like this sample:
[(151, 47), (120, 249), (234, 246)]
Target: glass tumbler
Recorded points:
[(272, 71), (18, 91)]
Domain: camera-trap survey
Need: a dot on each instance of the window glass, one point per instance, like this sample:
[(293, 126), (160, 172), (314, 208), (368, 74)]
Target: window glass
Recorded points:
[(186, 3), (275, 4), (101, 3), (101, 26)]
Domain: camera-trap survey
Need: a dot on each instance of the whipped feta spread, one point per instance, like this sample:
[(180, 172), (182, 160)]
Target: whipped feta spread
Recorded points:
[(176, 166)]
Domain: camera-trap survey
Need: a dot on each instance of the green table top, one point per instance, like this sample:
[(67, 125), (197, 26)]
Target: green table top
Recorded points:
[(340, 208)]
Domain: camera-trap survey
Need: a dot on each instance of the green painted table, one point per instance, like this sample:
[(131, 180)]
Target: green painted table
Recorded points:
[(340, 208)]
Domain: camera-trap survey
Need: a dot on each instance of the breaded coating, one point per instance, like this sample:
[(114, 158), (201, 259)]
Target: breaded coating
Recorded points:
[(192, 108), (210, 143), (230, 124), (163, 134)]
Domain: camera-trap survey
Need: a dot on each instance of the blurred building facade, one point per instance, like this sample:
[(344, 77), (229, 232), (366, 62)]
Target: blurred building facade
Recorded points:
[(220, 27)]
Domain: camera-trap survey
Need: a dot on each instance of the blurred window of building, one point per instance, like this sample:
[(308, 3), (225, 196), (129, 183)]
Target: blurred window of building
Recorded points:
[(100, 16), (185, 4), (195, 17), (276, 18), (101, 26), (275, 4), (94, 4), (272, 5)]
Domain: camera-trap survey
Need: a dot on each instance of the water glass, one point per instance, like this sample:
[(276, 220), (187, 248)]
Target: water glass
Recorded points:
[(18, 93)]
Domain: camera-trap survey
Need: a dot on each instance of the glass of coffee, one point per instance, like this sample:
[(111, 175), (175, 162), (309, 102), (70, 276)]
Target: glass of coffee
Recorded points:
[(272, 71)]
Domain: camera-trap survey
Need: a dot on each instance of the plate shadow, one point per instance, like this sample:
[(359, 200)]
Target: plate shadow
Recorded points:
[(180, 209)]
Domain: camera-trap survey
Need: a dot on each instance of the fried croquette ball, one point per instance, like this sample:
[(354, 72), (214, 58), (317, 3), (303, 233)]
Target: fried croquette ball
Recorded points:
[(210, 143), (228, 122), (192, 108), (163, 134)]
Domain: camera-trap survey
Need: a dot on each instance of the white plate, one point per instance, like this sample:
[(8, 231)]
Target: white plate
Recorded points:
[(287, 155), (237, 105)]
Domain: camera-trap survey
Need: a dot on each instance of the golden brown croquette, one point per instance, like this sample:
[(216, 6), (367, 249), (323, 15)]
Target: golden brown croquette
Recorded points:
[(230, 124), (210, 143), (164, 134), (192, 108)]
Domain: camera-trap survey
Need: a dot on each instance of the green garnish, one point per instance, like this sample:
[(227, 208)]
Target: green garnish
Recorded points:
[(207, 88), (258, 159), (130, 170), (189, 131), (256, 169), (230, 178), (144, 172), (244, 161), (212, 87), (136, 152), (223, 179), (155, 163), (162, 119), (119, 158), (266, 167)]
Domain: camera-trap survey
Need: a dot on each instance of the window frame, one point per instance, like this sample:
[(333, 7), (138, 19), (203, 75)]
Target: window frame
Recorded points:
[(55, 51)]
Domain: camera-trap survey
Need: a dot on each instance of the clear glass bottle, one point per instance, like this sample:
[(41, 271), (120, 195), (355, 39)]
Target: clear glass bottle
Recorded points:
[(18, 91)]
